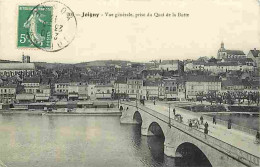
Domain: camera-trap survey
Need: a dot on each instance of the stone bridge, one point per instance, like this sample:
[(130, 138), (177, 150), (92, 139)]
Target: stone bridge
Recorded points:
[(177, 136)]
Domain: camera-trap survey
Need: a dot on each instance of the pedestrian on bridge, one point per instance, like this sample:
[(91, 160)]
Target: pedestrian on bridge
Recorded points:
[(229, 123), (206, 128), (190, 124), (173, 110), (257, 140), (206, 125), (201, 120), (206, 131), (214, 120)]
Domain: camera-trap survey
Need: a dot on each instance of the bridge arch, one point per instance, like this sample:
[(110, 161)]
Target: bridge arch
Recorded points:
[(137, 118), (192, 154), (155, 129)]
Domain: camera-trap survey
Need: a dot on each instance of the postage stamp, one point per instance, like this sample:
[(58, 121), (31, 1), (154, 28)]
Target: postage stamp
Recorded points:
[(50, 26), (40, 24)]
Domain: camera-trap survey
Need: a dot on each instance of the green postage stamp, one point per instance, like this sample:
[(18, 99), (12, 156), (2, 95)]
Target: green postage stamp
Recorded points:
[(34, 27)]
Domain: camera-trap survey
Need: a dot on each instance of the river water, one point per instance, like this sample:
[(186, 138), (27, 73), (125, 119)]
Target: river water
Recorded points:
[(75, 141)]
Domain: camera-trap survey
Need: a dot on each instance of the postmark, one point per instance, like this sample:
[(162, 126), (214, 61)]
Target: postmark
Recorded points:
[(50, 26)]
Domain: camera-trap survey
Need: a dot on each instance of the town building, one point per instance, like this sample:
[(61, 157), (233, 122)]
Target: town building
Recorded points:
[(104, 91), (235, 85), (20, 69), (255, 56), (201, 84), (31, 85), (26, 68), (152, 74), (174, 88), (134, 88), (7, 93), (169, 65), (61, 89), (151, 89), (43, 94), (78, 91), (223, 65), (224, 53), (91, 91), (25, 98), (120, 87)]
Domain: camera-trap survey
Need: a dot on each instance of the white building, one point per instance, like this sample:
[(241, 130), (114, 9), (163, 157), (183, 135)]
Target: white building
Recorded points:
[(7, 93), (104, 91), (31, 85), (134, 88), (62, 87), (44, 93), (150, 90), (91, 91), (169, 65), (201, 85), (21, 69), (78, 91)]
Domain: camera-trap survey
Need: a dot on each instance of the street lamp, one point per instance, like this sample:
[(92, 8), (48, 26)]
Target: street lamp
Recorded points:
[(170, 115), (118, 93), (136, 101)]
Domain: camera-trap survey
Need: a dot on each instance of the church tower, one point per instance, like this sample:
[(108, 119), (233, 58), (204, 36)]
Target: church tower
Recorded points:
[(222, 52)]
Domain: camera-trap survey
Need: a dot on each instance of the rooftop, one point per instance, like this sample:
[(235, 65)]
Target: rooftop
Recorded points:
[(151, 83), (31, 80), (255, 52), (202, 78), (17, 66), (235, 52), (231, 63), (8, 86)]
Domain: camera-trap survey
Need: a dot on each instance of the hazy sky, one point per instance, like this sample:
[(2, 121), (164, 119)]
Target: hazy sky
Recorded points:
[(235, 22)]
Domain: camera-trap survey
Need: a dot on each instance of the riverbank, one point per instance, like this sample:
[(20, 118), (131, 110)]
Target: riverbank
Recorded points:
[(243, 122), (221, 108), (76, 111)]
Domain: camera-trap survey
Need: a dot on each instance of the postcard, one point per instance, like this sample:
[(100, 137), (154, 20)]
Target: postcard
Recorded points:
[(129, 83)]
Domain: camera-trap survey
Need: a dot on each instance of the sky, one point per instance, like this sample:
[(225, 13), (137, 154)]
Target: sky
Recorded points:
[(235, 22)]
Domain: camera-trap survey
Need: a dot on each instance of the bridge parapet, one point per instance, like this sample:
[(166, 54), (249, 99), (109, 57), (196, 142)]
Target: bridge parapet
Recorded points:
[(232, 151)]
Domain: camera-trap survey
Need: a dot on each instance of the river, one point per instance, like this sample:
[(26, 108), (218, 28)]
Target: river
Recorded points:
[(66, 141)]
